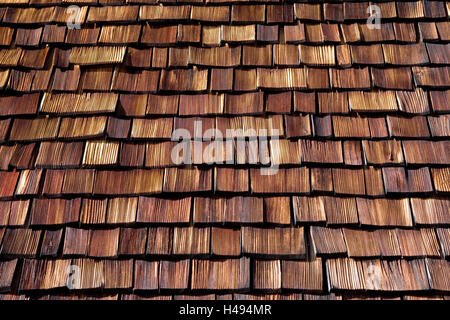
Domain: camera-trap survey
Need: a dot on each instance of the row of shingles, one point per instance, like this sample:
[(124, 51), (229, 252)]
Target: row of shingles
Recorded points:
[(379, 212), (317, 210), (358, 11), (284, 296), (180, 56), (251, 103), (53, 155), (248, 80), (219, 275), (196, 80), (207, 35), (372, 275), (388, 275), (371, 181), (256, 103), (236, 296), (411, 102), (275, 13), (214, 36), (358, 101), (211, 34), (294, 126), (287, 242), (386, 243)]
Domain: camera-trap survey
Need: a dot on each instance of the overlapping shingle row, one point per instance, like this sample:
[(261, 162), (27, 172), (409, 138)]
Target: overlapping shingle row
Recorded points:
[(319, 161)]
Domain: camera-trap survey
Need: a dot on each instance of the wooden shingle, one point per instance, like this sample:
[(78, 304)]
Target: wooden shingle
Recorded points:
[(384, 212), (189, 33), (425, 152), (21, 242), (267, 274), (97, 55), (113, 14), (317, 55), (45, 274), (79, 103), (303, 275), (397, 54), (34, 129), (395, 78), (290, 180), (277, 210), (103, 243), (350, 126), (239, 34), (132, 241), (348, 181), (135, 81), (293, 33), (55, 211), (382, 152), (159, 241), (441, 179), (131, 182), (308, 209), (191, 241), (374, 181), (211, 13), (438, 270), (439, 126), (327, 241), (157, 210), (413, 101), (221, 79), (307, 11), (231, 180), (225, 242), (100, 153), (184, 80), (436, 77), (232, 210), (164, 13), (174, 274), (288, 78), (361, 243), (146, 275), (152, 128), (218, 57), (248, 13), (220, 275), (82, 36), (408, 127), (350, 78), (418, 243), (430, 211), (273, 242), (267, 33), (257, 55), (118, 274), (187, 180), (59, 154), (7, 269), (93, 211), (75, 242)]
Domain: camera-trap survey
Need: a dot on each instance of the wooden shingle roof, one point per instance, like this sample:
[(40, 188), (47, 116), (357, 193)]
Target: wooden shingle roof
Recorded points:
[(334, 185)]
